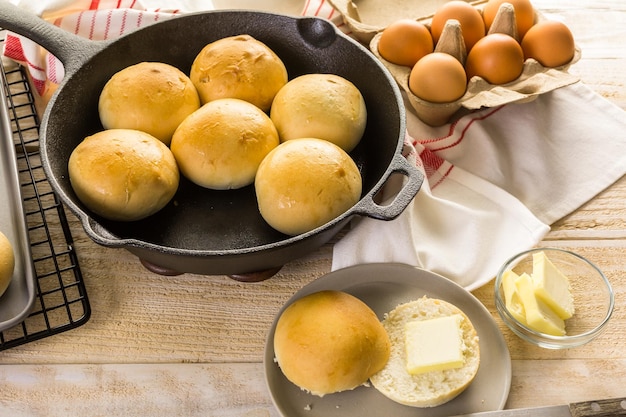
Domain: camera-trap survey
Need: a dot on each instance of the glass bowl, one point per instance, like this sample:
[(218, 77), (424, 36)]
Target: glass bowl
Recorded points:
[(591, 291)]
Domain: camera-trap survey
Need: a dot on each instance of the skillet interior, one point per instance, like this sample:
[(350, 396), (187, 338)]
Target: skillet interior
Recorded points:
[(217, 221)]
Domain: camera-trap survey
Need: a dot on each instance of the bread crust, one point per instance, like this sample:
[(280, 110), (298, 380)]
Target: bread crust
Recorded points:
[(221, 145), (153, 97), (329, 341), (432, 388), (7, 262), (123, 174), (305, 183), (238, 67), (324, 106)]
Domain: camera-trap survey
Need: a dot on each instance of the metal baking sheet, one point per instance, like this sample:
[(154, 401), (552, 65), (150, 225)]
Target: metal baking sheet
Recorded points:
[(17, 300)]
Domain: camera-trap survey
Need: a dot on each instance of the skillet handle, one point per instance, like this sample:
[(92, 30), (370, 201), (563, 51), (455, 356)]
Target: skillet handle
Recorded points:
[(72, 50), (368, 207), (100, 234)]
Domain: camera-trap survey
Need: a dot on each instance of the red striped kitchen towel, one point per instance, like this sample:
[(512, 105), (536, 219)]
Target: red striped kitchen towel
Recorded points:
[(92, 19), (106, 19), (322, 8)]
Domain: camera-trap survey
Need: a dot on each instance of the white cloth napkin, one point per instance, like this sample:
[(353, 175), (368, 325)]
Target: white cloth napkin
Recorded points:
[(495, 179), (495, 182)]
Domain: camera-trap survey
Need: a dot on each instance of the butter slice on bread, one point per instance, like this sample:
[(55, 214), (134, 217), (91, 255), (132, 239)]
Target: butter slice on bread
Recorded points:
[(432, 388)]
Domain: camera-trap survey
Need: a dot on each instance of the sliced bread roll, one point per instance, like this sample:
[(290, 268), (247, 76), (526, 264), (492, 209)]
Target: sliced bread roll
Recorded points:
[(329, 341), (431, 388)]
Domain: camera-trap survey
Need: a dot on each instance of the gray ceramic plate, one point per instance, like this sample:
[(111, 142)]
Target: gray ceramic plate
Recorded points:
[(16, 302), (383, 287)]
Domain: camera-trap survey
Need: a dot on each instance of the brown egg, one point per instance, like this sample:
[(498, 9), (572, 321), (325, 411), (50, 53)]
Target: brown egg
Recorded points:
[(438, 78), (404, 42), (524, 14), (498, 58), (472, 25), (549, 42)]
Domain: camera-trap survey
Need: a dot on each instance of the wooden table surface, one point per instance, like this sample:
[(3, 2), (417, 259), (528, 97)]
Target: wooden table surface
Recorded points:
[(192, 345)]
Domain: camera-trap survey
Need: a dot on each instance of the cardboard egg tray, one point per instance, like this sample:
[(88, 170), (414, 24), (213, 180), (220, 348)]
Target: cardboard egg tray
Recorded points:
[(367, 20)]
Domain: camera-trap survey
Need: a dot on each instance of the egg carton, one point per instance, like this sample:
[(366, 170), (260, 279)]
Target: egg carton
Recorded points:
[(534, 80)]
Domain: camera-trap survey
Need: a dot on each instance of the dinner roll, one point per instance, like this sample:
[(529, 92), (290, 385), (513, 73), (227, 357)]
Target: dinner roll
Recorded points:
[(7, 263), (221, 145), (123, 174), (329, 341), (150, 96), (238, 67), (305, 183), (431, 388), (323, 106)]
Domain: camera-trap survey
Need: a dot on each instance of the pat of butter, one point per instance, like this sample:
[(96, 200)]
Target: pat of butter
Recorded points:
[(552, 286), (539, 316), (512, 299), (434, 344)]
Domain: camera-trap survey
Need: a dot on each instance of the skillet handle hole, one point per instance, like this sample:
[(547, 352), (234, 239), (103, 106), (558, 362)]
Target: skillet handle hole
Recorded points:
[(317, 32), (395, 193), (389, 191)]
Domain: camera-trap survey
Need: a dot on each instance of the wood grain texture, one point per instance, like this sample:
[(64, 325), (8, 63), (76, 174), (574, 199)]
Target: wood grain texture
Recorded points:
[(135, 390), (193, 345)]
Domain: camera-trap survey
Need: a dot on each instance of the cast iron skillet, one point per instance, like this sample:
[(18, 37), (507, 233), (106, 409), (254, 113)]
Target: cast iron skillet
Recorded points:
[(203, 231)]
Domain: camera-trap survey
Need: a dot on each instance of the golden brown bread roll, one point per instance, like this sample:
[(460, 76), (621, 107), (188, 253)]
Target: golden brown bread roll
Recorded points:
[(7, 262), (123, 174), (324, 106), (305, 183), (221, 145), (238, 67), (150, 96), (330, 341)]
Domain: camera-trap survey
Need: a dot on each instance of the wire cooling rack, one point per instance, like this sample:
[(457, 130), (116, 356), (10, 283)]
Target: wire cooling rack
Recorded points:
[(61, 301)]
